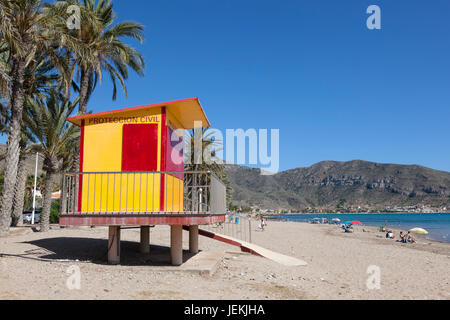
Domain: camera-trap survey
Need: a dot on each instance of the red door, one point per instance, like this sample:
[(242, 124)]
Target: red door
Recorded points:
[(140, 147)]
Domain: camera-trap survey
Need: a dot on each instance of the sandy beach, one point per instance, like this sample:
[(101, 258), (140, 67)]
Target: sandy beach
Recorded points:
[(34, 266)]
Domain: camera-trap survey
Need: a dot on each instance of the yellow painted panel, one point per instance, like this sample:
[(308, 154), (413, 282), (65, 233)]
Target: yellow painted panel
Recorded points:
[(173, 194), (102, 148), (121, 193)]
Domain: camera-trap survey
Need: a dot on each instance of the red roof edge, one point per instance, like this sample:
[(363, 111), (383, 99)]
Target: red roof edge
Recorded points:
[(160, 104)]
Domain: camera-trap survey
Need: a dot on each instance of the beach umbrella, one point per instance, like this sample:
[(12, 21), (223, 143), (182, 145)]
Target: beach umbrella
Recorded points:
[(419, 231), (356, 222), (336, 219), (347, 222)]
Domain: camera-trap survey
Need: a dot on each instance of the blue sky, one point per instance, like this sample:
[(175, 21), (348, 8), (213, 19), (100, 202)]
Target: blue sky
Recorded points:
[(336, 90)]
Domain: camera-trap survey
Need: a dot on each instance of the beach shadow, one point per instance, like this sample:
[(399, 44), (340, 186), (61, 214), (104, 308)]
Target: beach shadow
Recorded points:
[(95, 251)]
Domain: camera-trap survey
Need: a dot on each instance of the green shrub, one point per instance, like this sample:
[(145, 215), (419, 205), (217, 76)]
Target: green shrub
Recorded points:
[(54, 212)]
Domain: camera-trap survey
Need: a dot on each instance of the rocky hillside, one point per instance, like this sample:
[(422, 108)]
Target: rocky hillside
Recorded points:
[(30, 163), (332, 184)]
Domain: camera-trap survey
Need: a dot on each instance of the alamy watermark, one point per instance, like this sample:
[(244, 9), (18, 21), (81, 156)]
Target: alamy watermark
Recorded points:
[(74, 20), (73, 282), (249, 147), (373, 282), (374, 20)]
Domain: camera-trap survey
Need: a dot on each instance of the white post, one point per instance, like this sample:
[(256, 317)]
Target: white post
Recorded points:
[(34, 191), (200, 200)]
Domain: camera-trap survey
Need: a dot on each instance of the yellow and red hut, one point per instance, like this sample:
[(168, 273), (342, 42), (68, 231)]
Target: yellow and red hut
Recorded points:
[(132, 174)]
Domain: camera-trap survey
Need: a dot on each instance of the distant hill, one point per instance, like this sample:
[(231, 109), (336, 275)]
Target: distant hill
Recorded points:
[(330, 184), (30, 163)]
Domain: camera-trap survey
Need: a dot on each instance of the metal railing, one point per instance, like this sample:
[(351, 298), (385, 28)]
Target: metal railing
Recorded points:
[(163, 192), (235, 225)]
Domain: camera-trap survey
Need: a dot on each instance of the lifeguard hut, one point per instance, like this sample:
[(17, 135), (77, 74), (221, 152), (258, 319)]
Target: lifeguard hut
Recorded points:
[(132, 174)]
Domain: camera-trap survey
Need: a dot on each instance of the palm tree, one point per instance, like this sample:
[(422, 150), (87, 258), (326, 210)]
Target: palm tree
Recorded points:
[(40, 74), (25, 31), (19, 188), (198, 162), (48, 124), (5, 78), (107, 52)]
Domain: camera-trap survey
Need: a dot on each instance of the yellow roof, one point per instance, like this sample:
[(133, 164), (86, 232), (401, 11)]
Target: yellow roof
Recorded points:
[(186, 111)]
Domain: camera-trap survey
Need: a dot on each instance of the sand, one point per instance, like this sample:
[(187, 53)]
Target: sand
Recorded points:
[(34, 266)]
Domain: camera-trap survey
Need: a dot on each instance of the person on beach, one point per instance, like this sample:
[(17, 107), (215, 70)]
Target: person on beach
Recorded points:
[(348, 229), (402, 237), (262, 224), (410, 238), (390, 235)]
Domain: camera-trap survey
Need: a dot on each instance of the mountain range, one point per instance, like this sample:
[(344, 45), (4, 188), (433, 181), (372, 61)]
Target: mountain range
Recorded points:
[(330, 185)]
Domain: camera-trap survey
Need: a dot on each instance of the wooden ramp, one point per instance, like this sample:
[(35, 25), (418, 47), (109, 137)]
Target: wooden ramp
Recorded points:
[(254, 249)]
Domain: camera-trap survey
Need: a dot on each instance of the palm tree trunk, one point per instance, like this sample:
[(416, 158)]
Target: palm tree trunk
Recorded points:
[(84, 89), (19, 193), (47, 201), (63, 199), (13, 146)]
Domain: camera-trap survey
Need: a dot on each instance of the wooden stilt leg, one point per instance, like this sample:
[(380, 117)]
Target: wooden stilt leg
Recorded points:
[(193, 239), (114, 245), (144, 246), (176, 245)]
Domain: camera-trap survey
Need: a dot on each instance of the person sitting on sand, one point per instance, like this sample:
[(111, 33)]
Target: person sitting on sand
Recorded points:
[(402, 237), (410, 238), (348, 229), (390, 234)]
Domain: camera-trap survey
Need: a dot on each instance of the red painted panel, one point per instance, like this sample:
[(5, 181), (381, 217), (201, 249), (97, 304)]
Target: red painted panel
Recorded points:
[(162, 194), (80, 181), (140, 147)]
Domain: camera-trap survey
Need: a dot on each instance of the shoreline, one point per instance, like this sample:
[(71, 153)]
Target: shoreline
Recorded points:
[(349, 213), (422, 243), (438, 234), (373, 228)]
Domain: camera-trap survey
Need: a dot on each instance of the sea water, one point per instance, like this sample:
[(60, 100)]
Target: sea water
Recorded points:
[(437, 224)]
